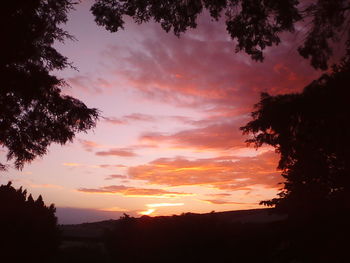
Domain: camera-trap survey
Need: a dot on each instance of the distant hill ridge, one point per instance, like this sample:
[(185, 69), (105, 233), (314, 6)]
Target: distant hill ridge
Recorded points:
[(96, 229)]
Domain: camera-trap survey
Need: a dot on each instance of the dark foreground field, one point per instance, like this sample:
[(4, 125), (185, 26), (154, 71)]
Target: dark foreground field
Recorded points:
[(234, 236)]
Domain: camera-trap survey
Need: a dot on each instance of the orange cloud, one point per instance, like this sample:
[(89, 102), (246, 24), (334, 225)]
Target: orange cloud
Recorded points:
[(133, 191), (222, 172), (89, 145)]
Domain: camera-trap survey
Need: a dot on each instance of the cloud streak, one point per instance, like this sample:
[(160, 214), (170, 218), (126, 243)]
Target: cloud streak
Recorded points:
[(88, 84), (127, 119), (121, 152), (133, 191), (115, 176), (226, 202)]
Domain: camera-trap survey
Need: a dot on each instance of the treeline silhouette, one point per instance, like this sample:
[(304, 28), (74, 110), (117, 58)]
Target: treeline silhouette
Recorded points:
[(28, 228), (213, 238)]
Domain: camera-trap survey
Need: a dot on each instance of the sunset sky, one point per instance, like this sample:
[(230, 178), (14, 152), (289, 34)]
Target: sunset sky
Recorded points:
[(168, 140)]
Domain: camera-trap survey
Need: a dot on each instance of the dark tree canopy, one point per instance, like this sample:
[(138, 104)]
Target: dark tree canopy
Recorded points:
[(311, 131), (33, 112), (255, 24), (29, 231)]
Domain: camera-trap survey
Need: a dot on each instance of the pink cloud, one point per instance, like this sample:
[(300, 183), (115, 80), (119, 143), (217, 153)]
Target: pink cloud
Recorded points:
[(115, 176), (225, 135), (139, 117), (129, 118), (114, 121), (203, 71), (122, 152), (88, 84)]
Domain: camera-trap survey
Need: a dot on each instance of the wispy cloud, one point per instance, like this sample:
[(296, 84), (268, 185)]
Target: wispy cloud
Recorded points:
[(88, 84), (108, 166), (139, 117), (89, 145), (127, 119), (122, 152), (115, 121), (115, 176)]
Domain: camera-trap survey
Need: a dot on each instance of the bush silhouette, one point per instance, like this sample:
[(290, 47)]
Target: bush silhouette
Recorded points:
[(28, 227)]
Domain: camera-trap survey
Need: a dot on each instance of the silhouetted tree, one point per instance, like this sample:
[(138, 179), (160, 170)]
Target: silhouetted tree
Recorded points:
[(255, 24), (29, 230), (311, 132), (33, 112)]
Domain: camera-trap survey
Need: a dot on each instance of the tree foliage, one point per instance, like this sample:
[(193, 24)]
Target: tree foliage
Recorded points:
[(311, 132), (255, 24), (28, 227), (33, 111)]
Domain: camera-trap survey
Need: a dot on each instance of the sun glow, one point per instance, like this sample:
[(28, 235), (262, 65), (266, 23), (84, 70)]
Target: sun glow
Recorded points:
[(147, 212)]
